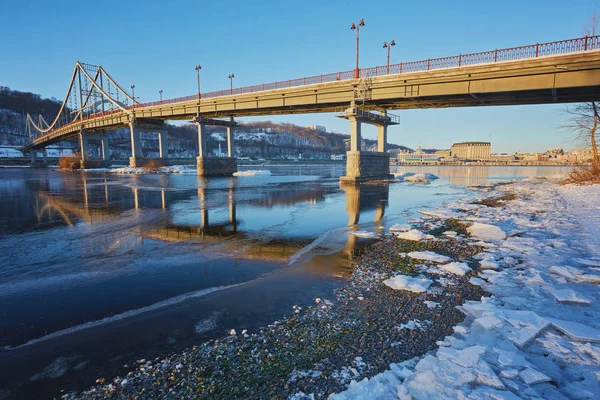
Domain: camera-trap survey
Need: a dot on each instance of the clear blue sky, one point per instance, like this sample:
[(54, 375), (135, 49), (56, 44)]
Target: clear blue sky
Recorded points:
[(156, 44)]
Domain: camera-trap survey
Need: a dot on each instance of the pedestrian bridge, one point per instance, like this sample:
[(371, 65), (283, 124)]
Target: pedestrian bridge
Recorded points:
[(556, 72)]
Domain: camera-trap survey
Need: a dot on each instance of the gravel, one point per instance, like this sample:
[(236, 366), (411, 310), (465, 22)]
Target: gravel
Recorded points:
[(320, 349)]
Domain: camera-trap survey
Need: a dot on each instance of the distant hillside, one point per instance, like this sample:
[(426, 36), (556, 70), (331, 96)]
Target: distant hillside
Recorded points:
[(263, 139)]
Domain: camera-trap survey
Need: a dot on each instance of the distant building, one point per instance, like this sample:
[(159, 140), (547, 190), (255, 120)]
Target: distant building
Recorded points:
[(443, 153), (503, 157), (318, 128), (418, 157), (583, 155), (471, 150), (338, 157)]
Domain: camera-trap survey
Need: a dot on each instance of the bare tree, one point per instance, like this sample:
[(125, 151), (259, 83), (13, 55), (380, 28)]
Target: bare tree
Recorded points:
[(584, 117)]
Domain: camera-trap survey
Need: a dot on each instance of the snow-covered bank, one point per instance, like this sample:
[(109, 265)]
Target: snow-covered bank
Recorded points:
[(538, 335)]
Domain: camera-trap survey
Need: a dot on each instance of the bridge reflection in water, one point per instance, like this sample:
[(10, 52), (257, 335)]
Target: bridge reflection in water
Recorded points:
[(106, 200)]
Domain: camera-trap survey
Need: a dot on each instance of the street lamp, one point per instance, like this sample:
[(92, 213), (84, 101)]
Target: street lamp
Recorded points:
[(133, 94), (231, 76), (357, 28), (160, 93), (198, 68), (389, 47)]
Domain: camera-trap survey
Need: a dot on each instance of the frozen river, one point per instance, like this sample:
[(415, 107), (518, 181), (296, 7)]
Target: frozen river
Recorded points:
[(99, 270)]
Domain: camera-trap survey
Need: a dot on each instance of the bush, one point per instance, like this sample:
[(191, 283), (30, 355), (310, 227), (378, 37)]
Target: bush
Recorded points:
[(69, 163), (583, 176), (153, 166)]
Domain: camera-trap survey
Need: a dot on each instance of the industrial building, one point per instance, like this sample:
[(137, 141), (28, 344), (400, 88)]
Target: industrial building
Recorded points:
[(471, 150)]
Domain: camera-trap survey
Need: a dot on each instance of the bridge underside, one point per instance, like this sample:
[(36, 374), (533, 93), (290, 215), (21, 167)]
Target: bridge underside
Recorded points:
[(566, 78), (521, 97)]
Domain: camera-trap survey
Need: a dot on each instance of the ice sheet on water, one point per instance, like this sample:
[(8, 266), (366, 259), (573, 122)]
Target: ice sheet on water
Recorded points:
[(365, 234), (428, 256), (426, 177), (412, 284), (252, 172), (400, 228)]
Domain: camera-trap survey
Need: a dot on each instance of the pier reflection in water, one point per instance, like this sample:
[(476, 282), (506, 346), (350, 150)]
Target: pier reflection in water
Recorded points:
[(102, 201)]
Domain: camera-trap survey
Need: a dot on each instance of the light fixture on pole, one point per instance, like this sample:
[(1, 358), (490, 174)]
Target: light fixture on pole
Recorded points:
[(160, 93), (388, 46), (198, 68), (231, 76), (356, 27), (133, 94)]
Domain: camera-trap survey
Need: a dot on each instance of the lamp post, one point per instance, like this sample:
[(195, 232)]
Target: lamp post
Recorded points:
[(389, 47), (231, 76), (133, 94), (198, 68), (160, 93), (356, 27)]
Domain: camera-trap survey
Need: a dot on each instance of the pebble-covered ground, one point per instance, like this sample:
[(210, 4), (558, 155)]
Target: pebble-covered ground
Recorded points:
[(321, 349)]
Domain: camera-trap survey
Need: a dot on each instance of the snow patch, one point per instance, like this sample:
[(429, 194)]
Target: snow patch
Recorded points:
[(428, 256), (412, 284)]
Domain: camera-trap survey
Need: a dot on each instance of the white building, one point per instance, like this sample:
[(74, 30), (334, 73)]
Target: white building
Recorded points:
[(318, 128)]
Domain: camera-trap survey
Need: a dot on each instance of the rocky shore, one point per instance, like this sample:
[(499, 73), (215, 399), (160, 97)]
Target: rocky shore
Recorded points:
[(321, 349)]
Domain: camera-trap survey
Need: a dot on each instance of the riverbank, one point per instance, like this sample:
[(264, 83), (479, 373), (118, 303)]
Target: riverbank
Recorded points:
[(510, 343), (537, 335), (320, 350)]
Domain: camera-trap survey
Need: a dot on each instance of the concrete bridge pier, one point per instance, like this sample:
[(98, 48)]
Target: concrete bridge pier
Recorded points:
[(163, 146), (361, 165), (210, 165), (105, 149), (136, 146), (85, 160), (35, 163)]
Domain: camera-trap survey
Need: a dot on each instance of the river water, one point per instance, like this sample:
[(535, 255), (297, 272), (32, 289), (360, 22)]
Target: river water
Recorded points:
[(99, 270)]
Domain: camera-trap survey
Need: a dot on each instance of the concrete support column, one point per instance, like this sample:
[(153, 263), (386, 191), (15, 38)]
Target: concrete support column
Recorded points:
[(83, 147), (382, 138), (45, 155), (201, 140), (355, 136), (136, 142), (382, 135), (136, 146), (230, 142), (105, 148), (32, 155), (163, 147)]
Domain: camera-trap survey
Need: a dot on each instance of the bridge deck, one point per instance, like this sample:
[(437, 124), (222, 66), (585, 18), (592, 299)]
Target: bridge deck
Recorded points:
[(563, 78)]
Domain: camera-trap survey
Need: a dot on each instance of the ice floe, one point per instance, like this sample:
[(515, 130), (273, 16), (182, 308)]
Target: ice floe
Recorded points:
[(486, 232), (414, 235), (428, 256), (252, 172), (412, 284)]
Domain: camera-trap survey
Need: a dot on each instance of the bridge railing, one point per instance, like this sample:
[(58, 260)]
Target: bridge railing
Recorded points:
[(509, 54), (499, 55)]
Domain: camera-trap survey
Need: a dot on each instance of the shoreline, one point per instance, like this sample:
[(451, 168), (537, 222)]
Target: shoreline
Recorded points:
[(324, 348), (455, 333)]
